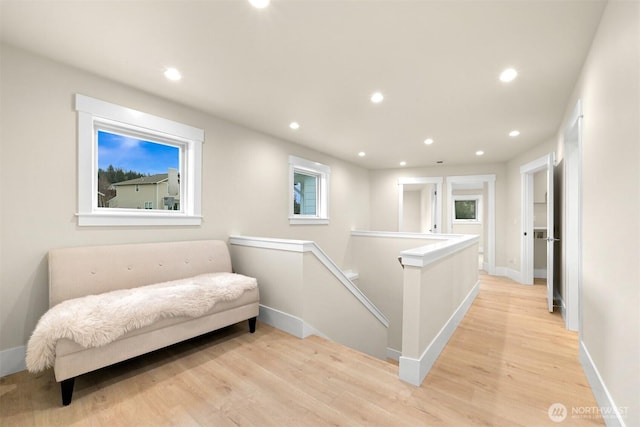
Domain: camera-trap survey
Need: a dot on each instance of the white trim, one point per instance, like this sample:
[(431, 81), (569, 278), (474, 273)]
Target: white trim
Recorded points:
[(309, 165), (351, 275), (539, 273), (393, 354), (94, 113), (287, 323), (514, 275), (508, 272), (536, 165), (322, 173), (491, 209), (132, 117), (608, 408), (128, 219), (425, 255), (414, 371), (560, 303), (301, 220), (572, 247), (527, 172), (339, 274), (437, 180), (12, 360), (400, 235), (310, 246), (271, 243), (464, 197)]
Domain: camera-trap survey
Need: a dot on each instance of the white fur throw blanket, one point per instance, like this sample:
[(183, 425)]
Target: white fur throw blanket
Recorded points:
[(96, 320)]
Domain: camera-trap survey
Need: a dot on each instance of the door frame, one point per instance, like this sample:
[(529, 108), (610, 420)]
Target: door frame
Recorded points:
[(490, 238), (572, 229), (527, 172), (437, 180)]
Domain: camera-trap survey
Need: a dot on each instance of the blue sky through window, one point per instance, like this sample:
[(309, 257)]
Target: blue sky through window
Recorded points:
[(137, 155)]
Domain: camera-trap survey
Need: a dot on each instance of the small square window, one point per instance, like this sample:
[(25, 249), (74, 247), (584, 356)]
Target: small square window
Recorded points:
[(309, 192), (467, 209)]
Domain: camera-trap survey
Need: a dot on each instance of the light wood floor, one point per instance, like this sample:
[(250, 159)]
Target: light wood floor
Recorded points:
[(507, 363)]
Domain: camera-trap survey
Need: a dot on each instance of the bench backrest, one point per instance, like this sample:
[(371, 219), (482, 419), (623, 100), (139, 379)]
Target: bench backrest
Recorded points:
[(80, 271)]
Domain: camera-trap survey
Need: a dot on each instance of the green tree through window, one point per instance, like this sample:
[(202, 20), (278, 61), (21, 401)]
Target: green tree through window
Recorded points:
[(466, 209)]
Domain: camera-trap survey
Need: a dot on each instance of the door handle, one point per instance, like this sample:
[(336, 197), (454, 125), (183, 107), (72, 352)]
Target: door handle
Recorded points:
[(552, 239)]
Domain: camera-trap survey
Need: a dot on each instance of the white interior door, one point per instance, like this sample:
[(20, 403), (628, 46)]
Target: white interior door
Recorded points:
[(551, 238)]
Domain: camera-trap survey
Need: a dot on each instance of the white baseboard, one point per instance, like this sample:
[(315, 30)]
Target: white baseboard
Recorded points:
[(510, 273), (540, 273), (286, 322), (500, 271), (393, 354), (514, 275), (557, 298), (414, 371), (612, 414), (12, 360)]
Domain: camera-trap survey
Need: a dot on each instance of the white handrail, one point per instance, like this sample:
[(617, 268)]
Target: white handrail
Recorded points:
[(425, 255), (311, 246)]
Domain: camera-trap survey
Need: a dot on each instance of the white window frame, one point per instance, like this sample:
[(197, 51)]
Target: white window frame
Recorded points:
[(93, 114), (323, 172), (463, 197)]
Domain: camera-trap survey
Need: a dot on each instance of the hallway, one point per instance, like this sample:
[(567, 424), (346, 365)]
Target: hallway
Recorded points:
[(507, 363)]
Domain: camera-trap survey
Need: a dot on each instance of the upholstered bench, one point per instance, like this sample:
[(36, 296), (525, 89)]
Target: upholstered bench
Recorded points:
[(112, 303)]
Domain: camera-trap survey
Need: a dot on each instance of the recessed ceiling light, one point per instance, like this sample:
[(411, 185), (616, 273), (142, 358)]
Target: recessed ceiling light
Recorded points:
[(362, 154), (479, 153), (294, 125), (508, 75), (259, 4), (403, 163), (514, 133), (428, 141), (377, 97), (172, 74)]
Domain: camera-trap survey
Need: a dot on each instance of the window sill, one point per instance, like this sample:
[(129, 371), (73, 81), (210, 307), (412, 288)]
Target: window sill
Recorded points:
[(308, 221), (135, 219), (466, 222)]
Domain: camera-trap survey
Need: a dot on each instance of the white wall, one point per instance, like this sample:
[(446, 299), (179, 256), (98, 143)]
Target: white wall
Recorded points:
[(245, 180), (375, 258), (609, 87), (426, 204), (412, 212)]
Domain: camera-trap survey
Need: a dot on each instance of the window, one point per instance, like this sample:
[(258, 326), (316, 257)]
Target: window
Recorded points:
[(309, 192), (135, 168), (305, 188), (467, 209)]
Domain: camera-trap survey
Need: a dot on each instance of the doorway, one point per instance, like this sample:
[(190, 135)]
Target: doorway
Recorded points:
[(528, 173), (419, 201), (488, 184)]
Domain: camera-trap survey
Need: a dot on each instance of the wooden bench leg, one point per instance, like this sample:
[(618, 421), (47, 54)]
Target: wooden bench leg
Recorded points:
[(66, 386), (252, 324)]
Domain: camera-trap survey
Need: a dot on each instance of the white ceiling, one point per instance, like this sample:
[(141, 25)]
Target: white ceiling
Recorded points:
[(318, 61)]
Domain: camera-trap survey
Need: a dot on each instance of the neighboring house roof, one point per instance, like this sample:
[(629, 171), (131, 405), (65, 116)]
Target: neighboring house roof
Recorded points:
[(152, 179)]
